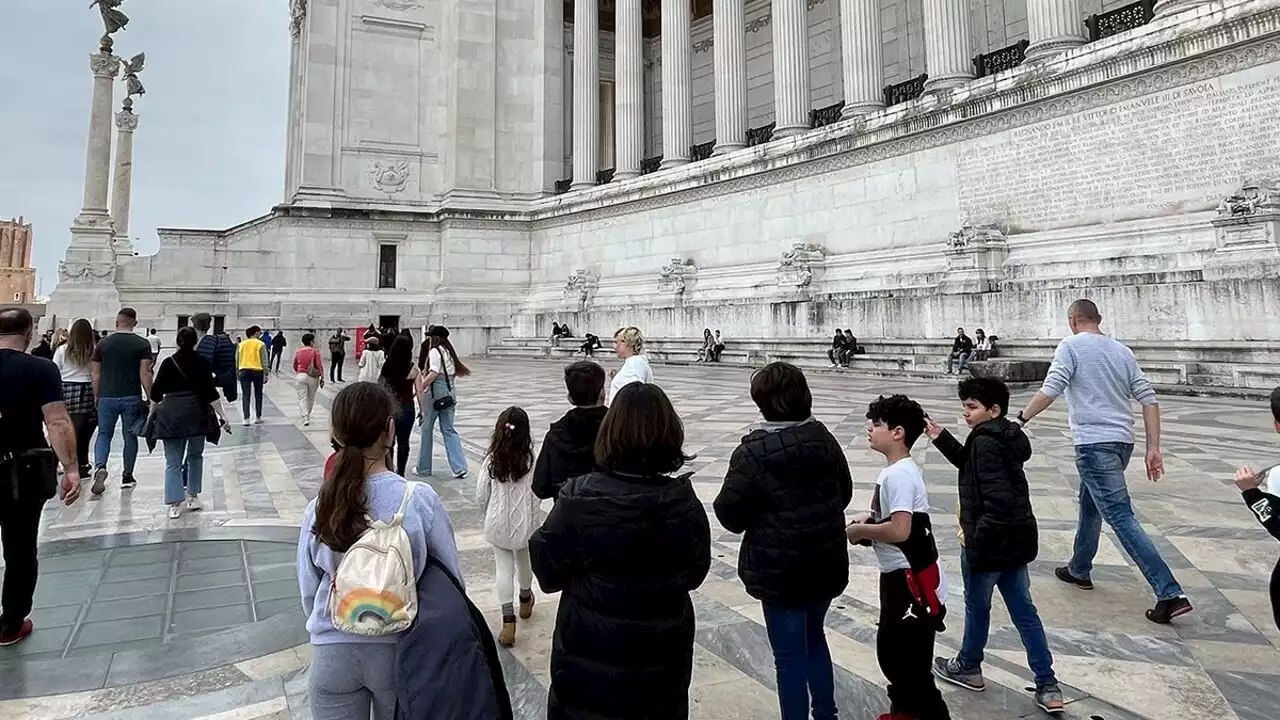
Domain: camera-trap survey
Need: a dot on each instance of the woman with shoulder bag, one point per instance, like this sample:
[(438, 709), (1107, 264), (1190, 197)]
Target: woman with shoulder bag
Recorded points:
[(439, 400), (310, 375), (185, 409)]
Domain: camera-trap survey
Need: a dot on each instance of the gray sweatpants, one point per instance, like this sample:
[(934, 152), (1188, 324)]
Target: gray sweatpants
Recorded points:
[(348, 678)]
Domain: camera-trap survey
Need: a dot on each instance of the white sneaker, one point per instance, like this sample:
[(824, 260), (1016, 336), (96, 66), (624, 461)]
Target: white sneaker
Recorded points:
[(245, 422), (193, 503), (258, 421), (175, 511), (306, 421)]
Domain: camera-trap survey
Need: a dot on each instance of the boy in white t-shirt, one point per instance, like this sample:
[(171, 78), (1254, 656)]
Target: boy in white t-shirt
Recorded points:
[(912, 587)]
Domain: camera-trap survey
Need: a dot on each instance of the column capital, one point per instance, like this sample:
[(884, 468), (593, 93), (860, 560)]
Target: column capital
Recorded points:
[(104, 65), (126, 120)]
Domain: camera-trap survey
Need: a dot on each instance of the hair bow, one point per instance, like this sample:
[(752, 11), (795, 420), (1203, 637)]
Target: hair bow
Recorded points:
[(509, 426)]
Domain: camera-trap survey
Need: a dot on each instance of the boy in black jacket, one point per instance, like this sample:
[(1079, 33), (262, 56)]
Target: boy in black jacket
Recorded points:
[(569, 447), (1265, 505), (998, 532), (787, 487)]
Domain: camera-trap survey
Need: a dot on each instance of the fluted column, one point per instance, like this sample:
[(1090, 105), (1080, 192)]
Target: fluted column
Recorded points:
[(586, 93), (628, 134), (948, 57), (1055, 26), (677, 82), (97, 166), (1170, 7), (730, 47), (122, 187), (860, 43), (790, 67)]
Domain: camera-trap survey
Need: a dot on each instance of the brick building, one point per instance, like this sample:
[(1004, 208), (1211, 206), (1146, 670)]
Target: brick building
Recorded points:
[(17, 277)]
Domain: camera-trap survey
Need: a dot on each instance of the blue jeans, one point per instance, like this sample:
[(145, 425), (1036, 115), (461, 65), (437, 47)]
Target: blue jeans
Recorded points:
[(1104, 496), (452, 441), (1015, 588), (183, 458), (125, 410), (962, 357), (802, 659)]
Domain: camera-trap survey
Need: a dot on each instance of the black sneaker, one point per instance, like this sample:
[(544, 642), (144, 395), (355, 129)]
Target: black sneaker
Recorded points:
[(127, 482), (1166, 610), (1065, 576), (99, 481)]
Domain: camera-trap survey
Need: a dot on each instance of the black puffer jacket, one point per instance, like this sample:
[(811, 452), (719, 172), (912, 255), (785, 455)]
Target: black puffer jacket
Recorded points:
[(995, 505), (569, 450), (625, 551), (787, 490)]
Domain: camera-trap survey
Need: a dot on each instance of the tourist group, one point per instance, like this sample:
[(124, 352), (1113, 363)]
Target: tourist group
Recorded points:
[(626, 540)]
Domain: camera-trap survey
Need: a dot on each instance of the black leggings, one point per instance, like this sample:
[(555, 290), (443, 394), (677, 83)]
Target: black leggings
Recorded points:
[(404, 431), (84, 424)]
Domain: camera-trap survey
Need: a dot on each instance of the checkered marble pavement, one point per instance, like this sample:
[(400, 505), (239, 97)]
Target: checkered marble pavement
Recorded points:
[(1220, 662)]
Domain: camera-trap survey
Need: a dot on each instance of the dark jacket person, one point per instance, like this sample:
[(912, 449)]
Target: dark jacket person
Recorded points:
[(569, 448), (625, 544)]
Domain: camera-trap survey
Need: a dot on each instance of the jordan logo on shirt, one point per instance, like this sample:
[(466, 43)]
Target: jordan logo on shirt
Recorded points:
[(910, 614)]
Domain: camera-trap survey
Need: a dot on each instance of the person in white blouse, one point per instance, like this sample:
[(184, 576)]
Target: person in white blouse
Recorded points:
[(73, 359), (628, 343)]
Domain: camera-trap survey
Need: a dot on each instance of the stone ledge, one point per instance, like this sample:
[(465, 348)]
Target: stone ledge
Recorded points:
[(1010, 370)]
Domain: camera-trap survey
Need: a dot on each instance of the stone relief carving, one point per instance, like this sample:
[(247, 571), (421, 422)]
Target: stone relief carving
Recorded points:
[(297, 16), (969, 236), (126, 120), (72, 271), (1252, 197), (398, 5), (796, 267), (674, 276), (581, 287), (390, 177)]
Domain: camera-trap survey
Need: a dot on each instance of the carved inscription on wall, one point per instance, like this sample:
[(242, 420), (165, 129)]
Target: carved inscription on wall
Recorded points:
[(1169, 152)]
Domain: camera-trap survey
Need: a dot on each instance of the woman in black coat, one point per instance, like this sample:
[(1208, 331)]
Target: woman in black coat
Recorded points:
[(625, 544)]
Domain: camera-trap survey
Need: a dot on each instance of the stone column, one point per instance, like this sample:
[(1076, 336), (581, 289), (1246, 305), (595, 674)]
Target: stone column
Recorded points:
[(677, 82), (1055, 26), (628, 132), (948, 57), (1170, 7), (790, 67), (860, 43), (97, 166), (730, 47), (569, 109), (122, 186), (586, 94)]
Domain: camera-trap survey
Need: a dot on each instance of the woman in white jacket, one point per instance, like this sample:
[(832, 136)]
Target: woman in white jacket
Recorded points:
[(628, 343), (504, 490), (371, 361)]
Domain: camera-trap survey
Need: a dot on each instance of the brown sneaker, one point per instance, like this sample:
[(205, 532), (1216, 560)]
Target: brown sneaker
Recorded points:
[(526, 607), (507, 637)]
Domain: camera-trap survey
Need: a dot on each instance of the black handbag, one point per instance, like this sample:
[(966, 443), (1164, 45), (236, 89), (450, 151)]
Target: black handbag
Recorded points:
[(31, 475)]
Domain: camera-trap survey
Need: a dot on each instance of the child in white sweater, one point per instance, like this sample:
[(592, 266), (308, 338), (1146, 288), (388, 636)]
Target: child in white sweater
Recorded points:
[(504, 490)]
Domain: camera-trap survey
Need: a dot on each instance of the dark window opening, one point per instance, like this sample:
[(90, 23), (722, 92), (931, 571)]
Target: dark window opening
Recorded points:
[(387, 267)]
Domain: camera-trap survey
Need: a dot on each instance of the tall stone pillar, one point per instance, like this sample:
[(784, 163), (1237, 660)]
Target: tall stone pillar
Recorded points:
[(628, 134), (97, 166), (790, 67), (586, 93), (570, 108), (947, 52), (860, 44), (730, 46), (122, 186), (1055, 26), (677, 82)]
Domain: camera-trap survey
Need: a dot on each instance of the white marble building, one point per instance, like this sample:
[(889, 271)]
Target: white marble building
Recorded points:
[(429, 138)]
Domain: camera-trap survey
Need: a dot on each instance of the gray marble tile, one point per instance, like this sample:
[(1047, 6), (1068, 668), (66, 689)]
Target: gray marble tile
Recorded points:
[(1099, 644), (1252, 696)]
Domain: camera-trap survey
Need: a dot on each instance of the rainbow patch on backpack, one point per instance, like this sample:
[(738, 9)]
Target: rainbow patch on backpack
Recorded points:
[(371, 607)]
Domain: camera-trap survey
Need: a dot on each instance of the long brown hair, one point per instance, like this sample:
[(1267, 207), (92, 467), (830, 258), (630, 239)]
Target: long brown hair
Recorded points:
[(80, 343), (359, 420), (441, 340), (511, 446)]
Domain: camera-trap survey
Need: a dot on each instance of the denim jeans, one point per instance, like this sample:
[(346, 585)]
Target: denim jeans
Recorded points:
[(1015, 588), (124, 410), (802, 660), (452, 441), (251, 380), (963, 357), (183, 458), (1104, 496)]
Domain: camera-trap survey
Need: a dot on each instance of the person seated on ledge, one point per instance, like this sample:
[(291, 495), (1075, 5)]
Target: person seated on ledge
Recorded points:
[(850, 349), (836, 353), (982, 346), (717, 348), (962, 350), (708, 346), (555, 333), (588, 348)]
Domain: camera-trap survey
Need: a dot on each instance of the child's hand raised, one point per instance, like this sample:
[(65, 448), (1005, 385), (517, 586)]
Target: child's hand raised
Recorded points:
[(931, 428), (1246, 479)]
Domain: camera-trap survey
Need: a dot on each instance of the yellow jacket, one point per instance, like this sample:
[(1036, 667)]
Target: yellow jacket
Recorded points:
[(251, 355)]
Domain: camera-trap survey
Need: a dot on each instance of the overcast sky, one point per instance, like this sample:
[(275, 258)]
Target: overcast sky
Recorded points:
[(209, 150)]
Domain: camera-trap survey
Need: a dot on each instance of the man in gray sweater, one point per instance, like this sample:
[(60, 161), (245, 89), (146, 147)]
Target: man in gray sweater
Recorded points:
[(1100, 376)]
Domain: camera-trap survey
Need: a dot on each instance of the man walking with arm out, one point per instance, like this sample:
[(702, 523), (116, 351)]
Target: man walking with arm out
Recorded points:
[(121, 376), (1099, 376), (30, 396)]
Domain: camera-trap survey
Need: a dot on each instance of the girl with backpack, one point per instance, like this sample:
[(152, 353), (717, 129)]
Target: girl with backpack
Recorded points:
[(310, 376), (355, 612), (504, 490)]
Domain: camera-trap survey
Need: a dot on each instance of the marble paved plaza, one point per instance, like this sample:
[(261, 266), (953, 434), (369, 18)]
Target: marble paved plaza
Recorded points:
[(141, 617)]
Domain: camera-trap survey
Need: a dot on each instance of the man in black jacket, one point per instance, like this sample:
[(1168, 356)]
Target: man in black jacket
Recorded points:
[(961, 351), (787, 487), (836, 353), (568, 450), (1265, 505), (998, 532)]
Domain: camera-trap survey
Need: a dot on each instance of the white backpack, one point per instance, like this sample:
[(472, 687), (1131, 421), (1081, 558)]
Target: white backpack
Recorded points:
[(374, 591)]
